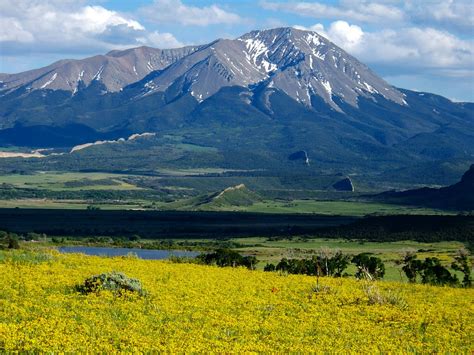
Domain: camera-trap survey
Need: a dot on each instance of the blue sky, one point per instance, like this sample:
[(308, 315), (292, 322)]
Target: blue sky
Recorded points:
[(424, 45)]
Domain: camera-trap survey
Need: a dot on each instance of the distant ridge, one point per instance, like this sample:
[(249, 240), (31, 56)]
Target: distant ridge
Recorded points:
[(459, 196)]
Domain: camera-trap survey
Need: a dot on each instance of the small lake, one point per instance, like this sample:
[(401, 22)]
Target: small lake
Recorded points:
[(150, 254)]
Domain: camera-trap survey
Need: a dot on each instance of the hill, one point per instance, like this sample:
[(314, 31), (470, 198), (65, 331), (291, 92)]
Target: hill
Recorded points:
[(234, 196), (459, 196)]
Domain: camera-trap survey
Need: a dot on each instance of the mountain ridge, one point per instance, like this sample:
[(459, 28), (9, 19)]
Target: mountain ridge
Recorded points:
[(281, 55)]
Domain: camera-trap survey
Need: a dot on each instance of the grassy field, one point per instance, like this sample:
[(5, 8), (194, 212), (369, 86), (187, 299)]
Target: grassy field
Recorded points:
[(58, 181), (342, 208), (192, 308)]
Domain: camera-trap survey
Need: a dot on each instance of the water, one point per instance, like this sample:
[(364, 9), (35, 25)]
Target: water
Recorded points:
[(151, 254)]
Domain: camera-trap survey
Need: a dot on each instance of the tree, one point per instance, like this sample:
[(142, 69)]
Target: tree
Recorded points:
[(436, 274), (338, 263), (367, 264), (226, 257), (411, 266), (269, 267), (462, 263)]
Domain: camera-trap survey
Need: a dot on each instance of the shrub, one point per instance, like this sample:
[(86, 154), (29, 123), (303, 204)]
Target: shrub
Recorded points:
[(13, 242), (226, 257), (326, 263), (116, 282), (368, 266), (376, 297)]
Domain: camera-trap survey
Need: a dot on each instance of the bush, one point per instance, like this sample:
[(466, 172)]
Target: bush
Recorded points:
[(13, 242), (326, 263), (376, 297), (368, 266), (225, 257), (116, 282)]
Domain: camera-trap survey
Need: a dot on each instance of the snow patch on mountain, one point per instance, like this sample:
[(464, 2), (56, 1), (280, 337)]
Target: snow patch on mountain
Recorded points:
[(53, 78)]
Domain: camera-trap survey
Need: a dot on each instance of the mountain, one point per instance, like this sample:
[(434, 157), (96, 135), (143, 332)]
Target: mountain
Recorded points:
[(299, 63), (250, 103), (459, 196)]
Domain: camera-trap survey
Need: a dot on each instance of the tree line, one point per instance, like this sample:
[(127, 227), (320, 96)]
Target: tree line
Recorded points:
[(428, 271)]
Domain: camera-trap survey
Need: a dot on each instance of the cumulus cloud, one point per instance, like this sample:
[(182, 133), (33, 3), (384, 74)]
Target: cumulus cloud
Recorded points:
[(407, 49), (174, 11), (362, 10), (70, 26), (342, 33)]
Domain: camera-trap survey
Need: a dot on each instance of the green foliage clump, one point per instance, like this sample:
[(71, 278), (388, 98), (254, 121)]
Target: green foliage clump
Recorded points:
[(324, 264), (432, 272), (462, 263), (436, 274), (9, 240), (226, 257), (116, 282), (368, 266)]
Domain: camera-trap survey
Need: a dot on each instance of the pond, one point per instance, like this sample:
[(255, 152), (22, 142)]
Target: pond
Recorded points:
[(151, 254)]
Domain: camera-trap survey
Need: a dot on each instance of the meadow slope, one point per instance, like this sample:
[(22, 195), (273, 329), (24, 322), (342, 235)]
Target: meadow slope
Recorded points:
[(201, 308)]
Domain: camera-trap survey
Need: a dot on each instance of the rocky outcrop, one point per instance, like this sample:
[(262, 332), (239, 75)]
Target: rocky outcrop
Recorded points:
[(344, 185), (300, 155)]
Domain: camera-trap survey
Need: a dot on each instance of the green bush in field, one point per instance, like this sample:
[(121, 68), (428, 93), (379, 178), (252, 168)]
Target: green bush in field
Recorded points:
[(9, 240), (116, 282)]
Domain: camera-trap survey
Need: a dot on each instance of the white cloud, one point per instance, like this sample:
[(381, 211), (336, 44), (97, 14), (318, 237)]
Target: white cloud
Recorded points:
[(96, 19), (55, 26), (340, 32), (453, 15), (174, 11), (361, 10), (12, 30), (404, 50), (160, 40)]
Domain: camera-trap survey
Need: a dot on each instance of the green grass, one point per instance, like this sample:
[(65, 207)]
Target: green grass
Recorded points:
[(343, 208), (55, 181)]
